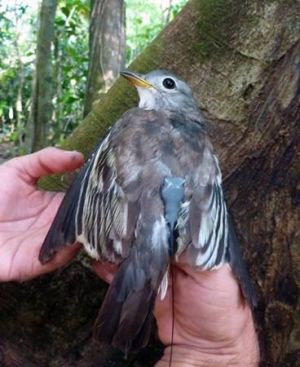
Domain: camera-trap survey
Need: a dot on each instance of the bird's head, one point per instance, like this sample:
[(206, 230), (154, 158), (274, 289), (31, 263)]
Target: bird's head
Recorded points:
[(162, 90)]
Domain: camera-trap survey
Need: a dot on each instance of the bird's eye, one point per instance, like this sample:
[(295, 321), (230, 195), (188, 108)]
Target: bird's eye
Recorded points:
[(169, 83)]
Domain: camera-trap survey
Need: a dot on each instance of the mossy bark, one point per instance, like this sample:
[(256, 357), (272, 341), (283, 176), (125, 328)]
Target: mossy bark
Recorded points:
[(242, 59)]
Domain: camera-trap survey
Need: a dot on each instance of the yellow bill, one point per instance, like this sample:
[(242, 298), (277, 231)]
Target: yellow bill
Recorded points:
[(136, 79)]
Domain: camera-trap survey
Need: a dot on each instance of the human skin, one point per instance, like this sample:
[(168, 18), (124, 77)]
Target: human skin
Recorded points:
[(213, 325), (26, 212)]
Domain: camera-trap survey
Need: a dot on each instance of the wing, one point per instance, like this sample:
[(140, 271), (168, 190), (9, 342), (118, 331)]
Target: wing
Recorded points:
[(105, 219), (235, 259), (206, 235), (94, 210), (202, 223)]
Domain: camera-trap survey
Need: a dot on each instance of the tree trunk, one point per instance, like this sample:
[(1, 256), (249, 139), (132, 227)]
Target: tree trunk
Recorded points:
[(242, 60), (19, 101), (41, 96), (107, 48)]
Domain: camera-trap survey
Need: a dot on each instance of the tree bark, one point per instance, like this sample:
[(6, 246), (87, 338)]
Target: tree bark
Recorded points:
[(242, 61), (41, 95), (19, 100), (106, 47)]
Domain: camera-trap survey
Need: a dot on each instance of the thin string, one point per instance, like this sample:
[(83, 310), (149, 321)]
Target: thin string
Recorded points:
[(173, 312)]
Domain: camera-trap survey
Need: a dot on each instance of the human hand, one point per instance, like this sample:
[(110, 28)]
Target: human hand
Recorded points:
[(26, 212), (213, 325)]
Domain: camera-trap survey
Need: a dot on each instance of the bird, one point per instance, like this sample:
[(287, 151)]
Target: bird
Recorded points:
[(150, 194)]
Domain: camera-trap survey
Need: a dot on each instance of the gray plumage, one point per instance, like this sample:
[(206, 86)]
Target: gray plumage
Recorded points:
[(153, 173), (172, 193)]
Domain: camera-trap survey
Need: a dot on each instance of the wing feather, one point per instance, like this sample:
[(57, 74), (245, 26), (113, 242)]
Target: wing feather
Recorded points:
[(94, 210), (202, 223), (103, 210)]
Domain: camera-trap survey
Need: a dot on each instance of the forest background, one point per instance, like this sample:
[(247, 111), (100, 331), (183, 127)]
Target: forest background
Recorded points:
[(242, 60), (49, 45)]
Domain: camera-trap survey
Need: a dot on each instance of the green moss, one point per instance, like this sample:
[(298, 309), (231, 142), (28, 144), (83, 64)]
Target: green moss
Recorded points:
[(219, 21), (120, 98), (106, 112)]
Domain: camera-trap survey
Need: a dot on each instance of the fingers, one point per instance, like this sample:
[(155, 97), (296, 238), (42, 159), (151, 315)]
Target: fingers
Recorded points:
[(46, 162), (105, 271), (218, 278)]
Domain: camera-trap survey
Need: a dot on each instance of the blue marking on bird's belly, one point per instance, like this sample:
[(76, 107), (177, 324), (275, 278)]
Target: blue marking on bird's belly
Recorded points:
[(172, 193)]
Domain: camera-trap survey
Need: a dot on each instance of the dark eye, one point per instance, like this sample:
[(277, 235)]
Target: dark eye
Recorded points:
[(169, 83)]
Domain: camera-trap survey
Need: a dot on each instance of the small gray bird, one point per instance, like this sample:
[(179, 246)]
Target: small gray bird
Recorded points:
[(150, 193)]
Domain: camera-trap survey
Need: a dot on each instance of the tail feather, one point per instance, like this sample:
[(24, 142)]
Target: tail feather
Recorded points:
[(108, 318), (142, 338), (125, 317), (135, 323)]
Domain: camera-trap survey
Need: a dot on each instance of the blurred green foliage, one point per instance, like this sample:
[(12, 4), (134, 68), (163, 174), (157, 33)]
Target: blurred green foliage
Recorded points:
[(70, 66), (144, 20), (16, 67), (18, 31)]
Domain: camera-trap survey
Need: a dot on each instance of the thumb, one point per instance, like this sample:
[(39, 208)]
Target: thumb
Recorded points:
[(46, 162)]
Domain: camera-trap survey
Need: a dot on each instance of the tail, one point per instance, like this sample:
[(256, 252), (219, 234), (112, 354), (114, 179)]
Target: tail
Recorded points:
[(125, 318)]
